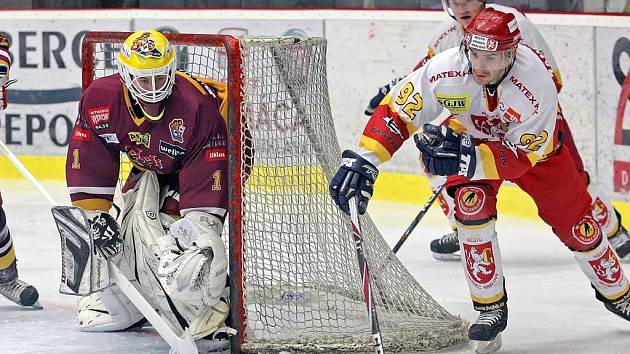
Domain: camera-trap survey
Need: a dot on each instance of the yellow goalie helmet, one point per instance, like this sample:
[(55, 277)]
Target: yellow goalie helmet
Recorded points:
[(146, 64)]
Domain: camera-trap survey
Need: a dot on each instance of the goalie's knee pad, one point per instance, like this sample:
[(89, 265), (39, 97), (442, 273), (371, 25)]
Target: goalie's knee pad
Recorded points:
[(107, 310)]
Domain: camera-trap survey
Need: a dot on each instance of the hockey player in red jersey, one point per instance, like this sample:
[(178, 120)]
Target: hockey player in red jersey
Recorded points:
[(11, 286), (170, 126), (504, 95), (449, 35)]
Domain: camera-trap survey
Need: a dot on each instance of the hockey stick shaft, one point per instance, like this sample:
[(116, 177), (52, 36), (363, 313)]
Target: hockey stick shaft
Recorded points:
[(365, 276), (418, 217), (182, 345), (18, 164)]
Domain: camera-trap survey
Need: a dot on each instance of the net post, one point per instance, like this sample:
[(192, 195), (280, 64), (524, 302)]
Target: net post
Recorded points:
[(235, 207)]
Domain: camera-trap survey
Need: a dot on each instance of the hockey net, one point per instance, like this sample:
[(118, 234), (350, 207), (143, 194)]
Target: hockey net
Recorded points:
[(295, 282)]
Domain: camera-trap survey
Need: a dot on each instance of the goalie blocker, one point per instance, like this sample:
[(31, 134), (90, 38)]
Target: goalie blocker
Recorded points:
[(88, 240)]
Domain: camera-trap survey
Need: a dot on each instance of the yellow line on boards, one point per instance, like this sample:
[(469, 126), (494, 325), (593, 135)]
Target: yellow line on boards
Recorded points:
[(392, 187)]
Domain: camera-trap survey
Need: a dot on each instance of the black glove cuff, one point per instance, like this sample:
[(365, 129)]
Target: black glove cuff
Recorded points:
[(467, 156), (354, 162)]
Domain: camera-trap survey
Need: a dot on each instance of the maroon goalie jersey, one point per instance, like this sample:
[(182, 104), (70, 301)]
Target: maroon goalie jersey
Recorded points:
[(189, 140)]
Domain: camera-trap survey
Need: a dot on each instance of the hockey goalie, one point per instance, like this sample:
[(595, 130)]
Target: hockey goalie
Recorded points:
[(167, 239)]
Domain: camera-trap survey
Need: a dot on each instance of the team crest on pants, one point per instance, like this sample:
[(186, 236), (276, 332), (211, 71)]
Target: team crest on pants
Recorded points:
[(471, 200), (586, 231), (600, 211), (607, 267), (480, 262)]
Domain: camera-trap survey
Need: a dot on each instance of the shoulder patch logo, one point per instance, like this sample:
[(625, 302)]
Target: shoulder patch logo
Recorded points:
[(177, 129)]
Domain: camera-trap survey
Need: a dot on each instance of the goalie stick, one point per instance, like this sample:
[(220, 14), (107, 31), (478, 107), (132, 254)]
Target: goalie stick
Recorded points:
[(183, 344), (418, 217)]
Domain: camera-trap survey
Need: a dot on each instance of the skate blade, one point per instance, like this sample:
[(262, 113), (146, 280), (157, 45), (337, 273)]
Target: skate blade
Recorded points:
[(487, 347), (447, 257), (36, 306)]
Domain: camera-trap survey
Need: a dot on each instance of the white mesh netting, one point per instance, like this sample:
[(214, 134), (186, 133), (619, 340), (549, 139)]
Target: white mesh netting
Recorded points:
[(301, 279)]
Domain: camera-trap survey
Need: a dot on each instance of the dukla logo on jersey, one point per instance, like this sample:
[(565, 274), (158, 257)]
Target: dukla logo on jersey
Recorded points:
[(586, 231), (480, 262), (607, 267), (144, 46)]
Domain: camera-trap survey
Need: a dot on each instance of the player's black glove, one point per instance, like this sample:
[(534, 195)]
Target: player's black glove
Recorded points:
[(354, 178), (446, 153), (382, 92)]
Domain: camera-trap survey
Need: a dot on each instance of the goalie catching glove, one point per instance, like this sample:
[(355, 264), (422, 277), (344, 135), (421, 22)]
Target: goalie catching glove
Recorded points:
[(354, 178), (445, 153)]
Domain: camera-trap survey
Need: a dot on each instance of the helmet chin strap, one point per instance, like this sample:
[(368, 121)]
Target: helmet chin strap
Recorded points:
[(150, 116)]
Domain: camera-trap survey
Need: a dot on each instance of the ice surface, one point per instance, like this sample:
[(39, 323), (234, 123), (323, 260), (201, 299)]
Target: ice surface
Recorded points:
[(552, 306)]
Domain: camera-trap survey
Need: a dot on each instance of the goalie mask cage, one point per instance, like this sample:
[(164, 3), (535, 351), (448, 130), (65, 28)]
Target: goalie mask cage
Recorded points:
[(295, 282)]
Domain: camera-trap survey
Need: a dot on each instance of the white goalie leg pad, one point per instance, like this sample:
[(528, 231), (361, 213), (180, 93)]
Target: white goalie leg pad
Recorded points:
[(601, 266), (195, 277), (107, 310), (141, 215), (141, 227), (481, 259)]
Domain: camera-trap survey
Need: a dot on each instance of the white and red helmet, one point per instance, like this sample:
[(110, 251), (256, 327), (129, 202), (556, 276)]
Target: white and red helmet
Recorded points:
[(492, 30), (449, 10)]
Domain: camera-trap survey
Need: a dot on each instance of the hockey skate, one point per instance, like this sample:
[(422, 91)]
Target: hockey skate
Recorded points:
[(215, 343), (446, 248), (16, 290), (621, 243), (620, 307), (486, 331)]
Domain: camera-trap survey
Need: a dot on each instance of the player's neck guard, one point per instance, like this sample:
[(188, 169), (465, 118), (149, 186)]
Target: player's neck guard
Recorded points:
[(151, 117)]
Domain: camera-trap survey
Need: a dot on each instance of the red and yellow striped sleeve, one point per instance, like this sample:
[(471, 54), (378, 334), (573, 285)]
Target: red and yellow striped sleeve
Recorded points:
[(385, 132)]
